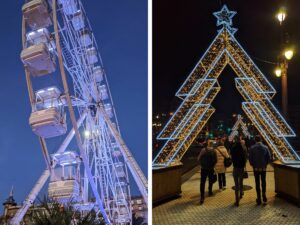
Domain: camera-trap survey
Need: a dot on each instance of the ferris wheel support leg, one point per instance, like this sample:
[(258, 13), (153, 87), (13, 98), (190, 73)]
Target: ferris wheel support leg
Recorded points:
[(73, 118), (42, 180), (134, 168)]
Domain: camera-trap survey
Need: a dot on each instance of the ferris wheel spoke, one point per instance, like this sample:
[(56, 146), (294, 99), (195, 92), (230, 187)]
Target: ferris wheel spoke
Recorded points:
[(72, 116)]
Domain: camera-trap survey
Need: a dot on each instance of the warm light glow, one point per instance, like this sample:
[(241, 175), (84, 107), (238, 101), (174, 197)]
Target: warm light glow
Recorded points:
[(278, 72), (281, 16), (288, 54)]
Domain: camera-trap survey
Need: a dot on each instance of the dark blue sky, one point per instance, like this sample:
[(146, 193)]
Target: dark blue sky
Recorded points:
[(120, 28)]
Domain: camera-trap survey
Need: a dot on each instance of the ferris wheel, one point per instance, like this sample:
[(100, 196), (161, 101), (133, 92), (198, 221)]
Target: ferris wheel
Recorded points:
[(59, 48)]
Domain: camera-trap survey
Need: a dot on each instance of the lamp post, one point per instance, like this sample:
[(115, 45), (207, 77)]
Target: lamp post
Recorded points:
[(284, 87), (281, 70)]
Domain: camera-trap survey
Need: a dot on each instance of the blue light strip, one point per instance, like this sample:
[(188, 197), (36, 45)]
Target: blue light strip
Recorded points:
[(251, 82), (272, 89), (201, 81), (253, 119), (199, 120)]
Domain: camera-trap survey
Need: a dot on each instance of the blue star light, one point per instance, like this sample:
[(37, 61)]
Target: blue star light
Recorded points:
[(224, 16)]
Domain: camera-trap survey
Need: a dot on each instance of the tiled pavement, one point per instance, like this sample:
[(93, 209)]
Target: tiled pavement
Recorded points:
[(219, 209)]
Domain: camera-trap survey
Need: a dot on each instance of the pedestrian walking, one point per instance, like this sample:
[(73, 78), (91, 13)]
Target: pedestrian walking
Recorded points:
[(259, 157), (208, 160), (238, 156), (220, 168)]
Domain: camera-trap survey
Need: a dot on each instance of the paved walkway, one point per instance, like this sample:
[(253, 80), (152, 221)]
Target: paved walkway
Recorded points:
[(220, 208)]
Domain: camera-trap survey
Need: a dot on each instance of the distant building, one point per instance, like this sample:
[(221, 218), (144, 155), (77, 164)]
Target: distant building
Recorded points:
[(158, 122), (139, 210), (11, 208)]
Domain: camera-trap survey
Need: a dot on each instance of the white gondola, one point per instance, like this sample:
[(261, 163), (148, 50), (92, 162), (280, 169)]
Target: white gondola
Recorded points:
[(115, 150), (78, 21), (48, 119), (121, 191), (108, 110), (69, 6), (48, 123), (92, 55), (38, 59), (103, 92), (98, 73), (36, 14), (65, 178), (48, 97), (120, 173), (85, 38), (40, 36)]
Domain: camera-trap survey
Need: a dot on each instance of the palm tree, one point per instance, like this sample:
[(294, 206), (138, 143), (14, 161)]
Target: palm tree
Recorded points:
[(51, 212)]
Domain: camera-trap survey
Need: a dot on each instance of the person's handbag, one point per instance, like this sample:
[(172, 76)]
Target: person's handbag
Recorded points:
[(227, 160), (214, 178)]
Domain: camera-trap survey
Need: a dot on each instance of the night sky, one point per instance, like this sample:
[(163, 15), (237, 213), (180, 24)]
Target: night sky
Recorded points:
[(120, 28), (184, 29)]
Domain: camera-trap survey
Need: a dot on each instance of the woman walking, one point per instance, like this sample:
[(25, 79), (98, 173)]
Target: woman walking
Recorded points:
[(238, 156), (220, 167)]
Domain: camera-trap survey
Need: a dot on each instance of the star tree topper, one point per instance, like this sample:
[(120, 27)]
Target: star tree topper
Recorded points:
[(224, 17)]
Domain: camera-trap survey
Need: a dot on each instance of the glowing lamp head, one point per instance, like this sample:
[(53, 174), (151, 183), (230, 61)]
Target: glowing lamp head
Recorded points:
[(278, 72), (288, 54), (281, 15)]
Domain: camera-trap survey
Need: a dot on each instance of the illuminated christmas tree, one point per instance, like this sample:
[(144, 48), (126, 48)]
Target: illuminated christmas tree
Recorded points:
[(201, 87), (239, 128)]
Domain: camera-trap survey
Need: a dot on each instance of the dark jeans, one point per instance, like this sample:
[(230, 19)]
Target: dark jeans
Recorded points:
[(260, 176), (204, 174), (221, 180), (238, 181)]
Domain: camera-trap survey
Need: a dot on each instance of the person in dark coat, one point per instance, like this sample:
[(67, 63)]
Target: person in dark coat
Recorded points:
[(259, 157), (239, 159), (208, 160)]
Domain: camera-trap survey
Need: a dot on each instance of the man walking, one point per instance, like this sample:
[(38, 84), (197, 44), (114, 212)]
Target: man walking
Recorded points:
[(259, 157), (208, 160)]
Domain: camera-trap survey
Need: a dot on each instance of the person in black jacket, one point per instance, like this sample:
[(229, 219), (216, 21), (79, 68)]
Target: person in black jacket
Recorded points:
[(238, 156), (208, 160), (259, 157)]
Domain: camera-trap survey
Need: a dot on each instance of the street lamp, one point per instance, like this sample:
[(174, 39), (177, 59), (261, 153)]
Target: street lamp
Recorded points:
[(281, 15), (288, 54), (281, 70), (278, 72)]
